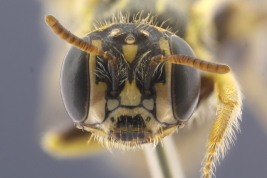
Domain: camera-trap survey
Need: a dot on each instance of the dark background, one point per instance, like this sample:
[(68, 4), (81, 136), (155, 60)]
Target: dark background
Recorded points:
[(22, 51)]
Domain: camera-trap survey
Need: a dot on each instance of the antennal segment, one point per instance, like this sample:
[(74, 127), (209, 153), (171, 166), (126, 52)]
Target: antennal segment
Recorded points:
[(74, 40), (193, 62), (85, 46)]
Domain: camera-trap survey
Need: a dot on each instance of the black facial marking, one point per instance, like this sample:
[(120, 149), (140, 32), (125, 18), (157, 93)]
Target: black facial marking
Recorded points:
[(131, 122)]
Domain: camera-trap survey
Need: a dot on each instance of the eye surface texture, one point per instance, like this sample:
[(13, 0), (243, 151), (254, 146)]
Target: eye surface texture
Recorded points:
[(185, 82)]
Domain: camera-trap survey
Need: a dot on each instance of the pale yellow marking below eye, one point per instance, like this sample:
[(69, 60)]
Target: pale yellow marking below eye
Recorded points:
[(130, 95), (115, 32), (129, 52), (112, 104), (148, 104)]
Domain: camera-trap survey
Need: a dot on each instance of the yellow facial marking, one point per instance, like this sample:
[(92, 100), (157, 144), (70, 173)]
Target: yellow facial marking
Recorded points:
[(164, 45), (164, 110), (112, 104), (130, 95), (129, 52), (148, 104), (97, 101)]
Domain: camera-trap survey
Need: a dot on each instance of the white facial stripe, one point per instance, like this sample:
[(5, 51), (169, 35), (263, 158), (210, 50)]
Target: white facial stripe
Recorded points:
[(112, 104), (148, 104)]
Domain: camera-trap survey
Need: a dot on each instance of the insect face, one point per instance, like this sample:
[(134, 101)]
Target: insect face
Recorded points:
[(133, 99), (130, 82)]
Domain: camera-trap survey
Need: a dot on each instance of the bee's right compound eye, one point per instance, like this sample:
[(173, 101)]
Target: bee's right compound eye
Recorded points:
[(185, 82), (75, 84)]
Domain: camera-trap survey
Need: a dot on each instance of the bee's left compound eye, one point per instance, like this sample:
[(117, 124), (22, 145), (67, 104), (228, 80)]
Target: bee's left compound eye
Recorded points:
[(185, 83)]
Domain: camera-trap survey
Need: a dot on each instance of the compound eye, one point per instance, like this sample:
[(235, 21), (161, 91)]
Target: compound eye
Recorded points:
[(75, 84), (179, 46), (185, 82)]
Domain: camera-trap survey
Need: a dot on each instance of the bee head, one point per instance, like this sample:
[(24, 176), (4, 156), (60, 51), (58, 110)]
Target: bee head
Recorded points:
[(130, 83)]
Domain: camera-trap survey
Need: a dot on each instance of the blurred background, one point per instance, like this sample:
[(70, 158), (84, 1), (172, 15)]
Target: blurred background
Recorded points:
[(26, 51)]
